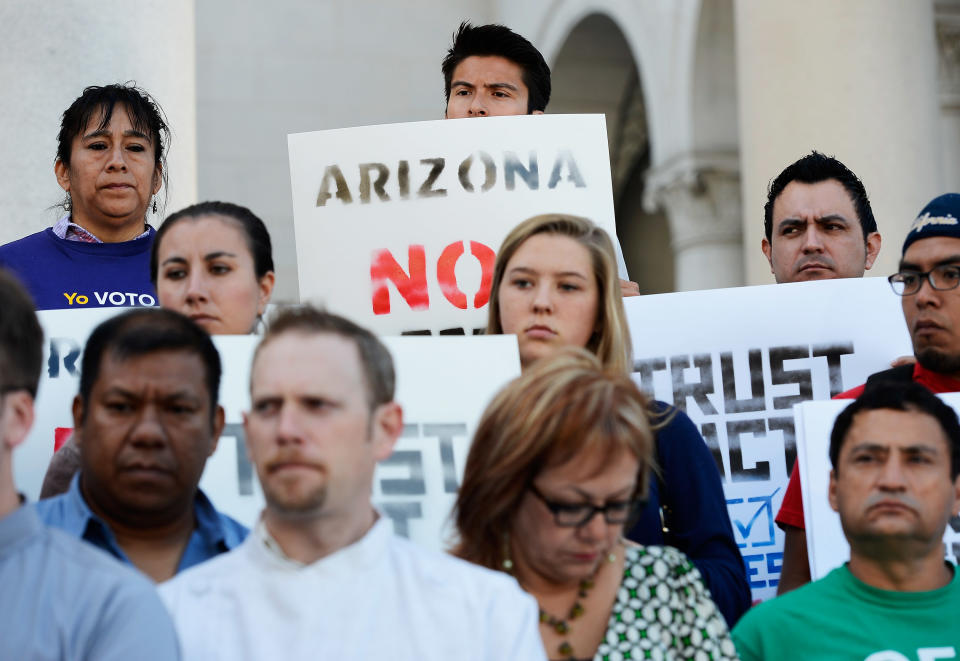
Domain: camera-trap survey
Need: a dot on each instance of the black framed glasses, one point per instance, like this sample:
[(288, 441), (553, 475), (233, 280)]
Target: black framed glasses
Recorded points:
[(568, 515), (941, 278)]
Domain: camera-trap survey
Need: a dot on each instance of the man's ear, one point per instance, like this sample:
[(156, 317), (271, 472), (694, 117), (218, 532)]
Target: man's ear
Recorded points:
[(18, 415), (873, 249), (219, 418), (78, 409), (956, 496), (387, 427), (832, 490), (767, 251)]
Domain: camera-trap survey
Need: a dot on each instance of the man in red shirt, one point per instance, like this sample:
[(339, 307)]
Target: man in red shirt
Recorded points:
[(927, 281)]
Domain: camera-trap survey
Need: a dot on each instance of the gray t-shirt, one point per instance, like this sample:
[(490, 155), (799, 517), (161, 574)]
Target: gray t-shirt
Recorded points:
[(61, 598)]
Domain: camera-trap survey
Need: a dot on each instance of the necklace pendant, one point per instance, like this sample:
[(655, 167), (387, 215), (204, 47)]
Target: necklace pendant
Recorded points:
[(561, 627), (565, 649)]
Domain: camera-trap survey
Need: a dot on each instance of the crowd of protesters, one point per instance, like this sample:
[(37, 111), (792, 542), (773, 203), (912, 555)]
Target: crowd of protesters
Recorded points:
[(590, 522)]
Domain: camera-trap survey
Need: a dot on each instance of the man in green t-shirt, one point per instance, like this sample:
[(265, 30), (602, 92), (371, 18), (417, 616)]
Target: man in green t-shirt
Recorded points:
[(895, 453)]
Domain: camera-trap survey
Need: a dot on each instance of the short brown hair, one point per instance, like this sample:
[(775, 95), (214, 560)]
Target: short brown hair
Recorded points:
[(21, 338), (374, 357), (611, 342), (558, 408)]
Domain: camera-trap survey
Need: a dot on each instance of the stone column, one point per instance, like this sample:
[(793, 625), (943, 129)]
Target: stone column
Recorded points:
[(948, 61), (701, 195), (50, 52), (855, 79)]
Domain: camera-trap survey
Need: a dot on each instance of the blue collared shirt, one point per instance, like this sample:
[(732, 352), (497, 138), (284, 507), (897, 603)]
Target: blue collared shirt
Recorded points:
[(63, 599), (215, 533)]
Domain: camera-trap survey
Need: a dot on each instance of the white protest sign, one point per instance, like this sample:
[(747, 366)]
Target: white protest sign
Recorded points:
[(65, 333), (737, 360), (827, 547), (398, 225), (443, 384)]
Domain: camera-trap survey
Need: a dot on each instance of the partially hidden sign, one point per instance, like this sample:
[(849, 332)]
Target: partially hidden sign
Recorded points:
[(397, 226), (737, 360), (443, 384)]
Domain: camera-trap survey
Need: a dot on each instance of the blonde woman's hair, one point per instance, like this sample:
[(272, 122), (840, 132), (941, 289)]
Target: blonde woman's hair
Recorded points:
[(611, 341), (560, 408)]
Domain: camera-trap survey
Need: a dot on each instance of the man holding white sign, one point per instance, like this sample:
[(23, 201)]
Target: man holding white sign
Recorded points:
[(322, 575), (931, 256), (819, 225), (818, 222), (895, 483), (489, 71)]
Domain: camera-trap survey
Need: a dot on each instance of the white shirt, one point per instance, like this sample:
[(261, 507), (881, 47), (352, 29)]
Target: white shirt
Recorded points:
[(379, 598)]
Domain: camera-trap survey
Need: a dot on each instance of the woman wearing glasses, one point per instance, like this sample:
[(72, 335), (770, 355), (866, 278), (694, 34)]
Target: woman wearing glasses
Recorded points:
[(555, 285), (558, 460)]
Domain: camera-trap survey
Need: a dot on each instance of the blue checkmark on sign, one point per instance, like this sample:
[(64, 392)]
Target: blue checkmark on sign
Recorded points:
[(765, 508)]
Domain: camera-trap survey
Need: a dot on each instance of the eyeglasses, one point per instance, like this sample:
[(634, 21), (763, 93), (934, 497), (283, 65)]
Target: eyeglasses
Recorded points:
[(573, 516), (941, 278)]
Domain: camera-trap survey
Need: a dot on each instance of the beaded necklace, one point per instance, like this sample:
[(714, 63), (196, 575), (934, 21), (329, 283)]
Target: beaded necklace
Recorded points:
[(562, 626)]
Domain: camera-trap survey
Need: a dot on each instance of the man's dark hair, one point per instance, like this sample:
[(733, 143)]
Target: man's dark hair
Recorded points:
[(144, 331), (899, 396), (21, 338), (500, 40), (254, 232), (144, 112), (375, 359), (812, 169)]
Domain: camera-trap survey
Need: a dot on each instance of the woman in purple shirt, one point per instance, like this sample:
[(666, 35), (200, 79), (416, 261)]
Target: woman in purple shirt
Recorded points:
[(111, 162)]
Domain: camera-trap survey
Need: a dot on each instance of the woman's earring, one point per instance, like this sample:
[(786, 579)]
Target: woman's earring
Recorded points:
[(68, 205), (154, 205), (507, 563)]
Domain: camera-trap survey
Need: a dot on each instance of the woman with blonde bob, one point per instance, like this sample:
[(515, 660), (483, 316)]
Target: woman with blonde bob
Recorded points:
[(555, 285), (566, 441)]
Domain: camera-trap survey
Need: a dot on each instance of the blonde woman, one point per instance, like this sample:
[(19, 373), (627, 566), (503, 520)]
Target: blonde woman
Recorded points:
[(555, 285)]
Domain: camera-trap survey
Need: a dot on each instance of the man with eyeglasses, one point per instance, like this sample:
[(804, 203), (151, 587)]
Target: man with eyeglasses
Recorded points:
[(927, 281), (60, 597), (323, 576)]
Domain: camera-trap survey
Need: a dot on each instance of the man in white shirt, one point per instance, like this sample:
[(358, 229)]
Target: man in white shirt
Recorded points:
[(322, 575)]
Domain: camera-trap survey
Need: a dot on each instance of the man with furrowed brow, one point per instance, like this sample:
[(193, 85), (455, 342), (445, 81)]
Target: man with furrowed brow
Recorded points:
[(927, 281)]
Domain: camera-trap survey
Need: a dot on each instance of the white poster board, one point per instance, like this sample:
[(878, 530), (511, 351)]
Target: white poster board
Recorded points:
[(443, 384), (397, 226), (65, 333), (827, 547), (737, 360)]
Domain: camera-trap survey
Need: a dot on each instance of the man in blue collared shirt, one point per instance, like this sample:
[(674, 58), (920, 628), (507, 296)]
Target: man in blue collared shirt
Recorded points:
[(60, 598), (146, 419)]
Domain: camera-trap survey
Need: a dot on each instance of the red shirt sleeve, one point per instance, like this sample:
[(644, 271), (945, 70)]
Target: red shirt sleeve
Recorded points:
[(791, 509)]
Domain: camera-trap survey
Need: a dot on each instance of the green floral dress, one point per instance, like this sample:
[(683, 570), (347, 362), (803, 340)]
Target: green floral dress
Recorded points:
[(663, 611)]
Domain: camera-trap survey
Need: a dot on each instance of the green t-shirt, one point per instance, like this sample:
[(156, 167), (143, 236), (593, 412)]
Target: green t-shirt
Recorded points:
[(841, 617)]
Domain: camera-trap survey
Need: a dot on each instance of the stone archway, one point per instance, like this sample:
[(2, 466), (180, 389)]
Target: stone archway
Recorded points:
[(594, 71)]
